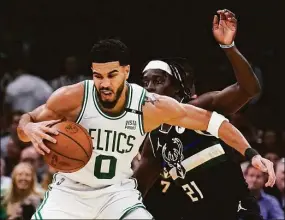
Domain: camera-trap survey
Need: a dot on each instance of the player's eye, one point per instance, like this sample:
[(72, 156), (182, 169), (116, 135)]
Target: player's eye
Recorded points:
[(98, 76), (158, 81), (112, 76), (145, 83)]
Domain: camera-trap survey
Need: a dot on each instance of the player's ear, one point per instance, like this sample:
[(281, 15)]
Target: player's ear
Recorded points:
[(127, 71), (176, 90)]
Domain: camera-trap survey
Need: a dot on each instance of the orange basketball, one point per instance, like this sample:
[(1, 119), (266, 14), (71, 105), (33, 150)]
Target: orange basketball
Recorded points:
[(73, 148)]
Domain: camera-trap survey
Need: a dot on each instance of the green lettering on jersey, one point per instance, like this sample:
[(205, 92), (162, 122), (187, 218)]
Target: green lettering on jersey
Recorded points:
[(121, 143), (114, 141), (107, 139), (129, 143), (91, 133), (98, 140)]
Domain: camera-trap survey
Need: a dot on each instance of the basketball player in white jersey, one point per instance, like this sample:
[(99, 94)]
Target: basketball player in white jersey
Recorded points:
[(117, 116)]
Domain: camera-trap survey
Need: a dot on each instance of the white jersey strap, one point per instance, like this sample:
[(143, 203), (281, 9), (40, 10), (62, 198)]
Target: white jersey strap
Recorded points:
[(86, 95), (137, 100)]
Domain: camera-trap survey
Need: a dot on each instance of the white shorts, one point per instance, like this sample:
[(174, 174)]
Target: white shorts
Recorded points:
[(67, 199)]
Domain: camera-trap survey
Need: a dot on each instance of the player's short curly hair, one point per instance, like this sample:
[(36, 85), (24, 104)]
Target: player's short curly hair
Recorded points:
[(110, 50)]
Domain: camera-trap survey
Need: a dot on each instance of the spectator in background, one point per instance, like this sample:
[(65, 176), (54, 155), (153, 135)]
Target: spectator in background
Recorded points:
[(26, 92), (22, 198), (11, 146), (273, 157), (279, 188), (269, 206), (270, 142), (30, 155), (280, 181), (13, 156), (70, 75), (5, 180), (282, 143), (15, 118), (270, 138)]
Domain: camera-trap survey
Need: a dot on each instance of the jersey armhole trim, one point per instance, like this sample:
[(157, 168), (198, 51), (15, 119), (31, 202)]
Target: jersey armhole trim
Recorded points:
[(152, 147), (141, 115), (84, 102)]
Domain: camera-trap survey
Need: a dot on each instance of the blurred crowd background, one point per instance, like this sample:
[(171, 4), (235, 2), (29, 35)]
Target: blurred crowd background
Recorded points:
[(44, 45)]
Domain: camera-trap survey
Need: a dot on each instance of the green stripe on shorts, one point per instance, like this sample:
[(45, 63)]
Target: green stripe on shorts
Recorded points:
[(132, 208), (45, 198), (43, 203), (35, 215)]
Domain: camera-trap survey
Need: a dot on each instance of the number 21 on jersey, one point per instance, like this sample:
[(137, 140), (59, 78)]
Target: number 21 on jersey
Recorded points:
[(191, 190)]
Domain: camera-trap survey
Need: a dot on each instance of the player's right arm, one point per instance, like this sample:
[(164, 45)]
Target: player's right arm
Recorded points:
[(147, 169), (234, 97), (64, 103)]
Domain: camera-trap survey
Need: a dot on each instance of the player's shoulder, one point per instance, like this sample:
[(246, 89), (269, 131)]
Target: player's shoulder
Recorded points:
[(70, 90), (67, 96)]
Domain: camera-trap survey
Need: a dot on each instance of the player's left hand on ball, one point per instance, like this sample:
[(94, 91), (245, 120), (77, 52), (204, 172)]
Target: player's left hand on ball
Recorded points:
[(265, 165), (224, 27)]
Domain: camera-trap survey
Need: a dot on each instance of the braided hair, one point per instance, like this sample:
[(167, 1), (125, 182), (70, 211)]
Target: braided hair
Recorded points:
[(182, 73)]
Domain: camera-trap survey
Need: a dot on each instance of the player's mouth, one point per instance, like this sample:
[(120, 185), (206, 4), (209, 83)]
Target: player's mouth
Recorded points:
[(105, 93)]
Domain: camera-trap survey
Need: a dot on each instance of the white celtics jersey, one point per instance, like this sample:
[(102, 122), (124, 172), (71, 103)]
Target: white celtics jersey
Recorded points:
[(116, 140)]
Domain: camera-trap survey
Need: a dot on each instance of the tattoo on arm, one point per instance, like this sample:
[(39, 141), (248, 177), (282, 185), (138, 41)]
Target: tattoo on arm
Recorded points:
[(150, 98)]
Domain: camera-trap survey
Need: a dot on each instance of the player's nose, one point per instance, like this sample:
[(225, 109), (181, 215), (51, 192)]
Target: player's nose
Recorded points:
[(150, 87), (105, 83)]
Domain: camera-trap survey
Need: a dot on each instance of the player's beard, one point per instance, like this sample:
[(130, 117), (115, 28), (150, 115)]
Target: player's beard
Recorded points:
[(110, 104)]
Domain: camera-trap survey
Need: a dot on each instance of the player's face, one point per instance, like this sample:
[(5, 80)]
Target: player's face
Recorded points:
[(280, 177), (157, 81), (23, 177), (255, 179), (109, 79)]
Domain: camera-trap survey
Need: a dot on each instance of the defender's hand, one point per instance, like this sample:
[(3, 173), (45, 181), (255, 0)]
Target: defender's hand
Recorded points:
[(36, 132), (224, 27), (265, 165)]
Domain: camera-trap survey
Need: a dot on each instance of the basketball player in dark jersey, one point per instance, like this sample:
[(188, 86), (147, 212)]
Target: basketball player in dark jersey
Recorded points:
[(199, 179)]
